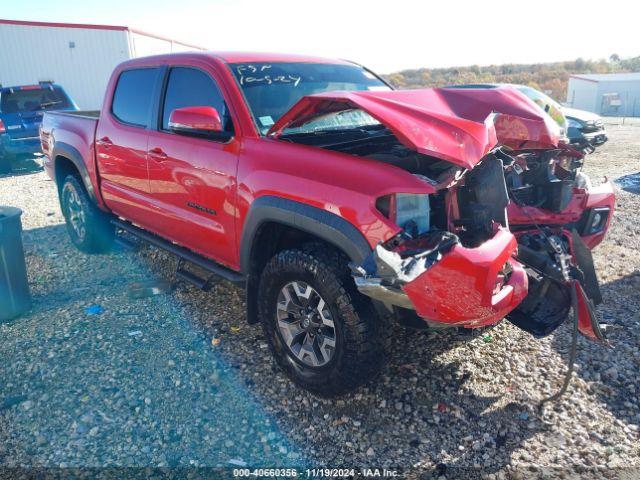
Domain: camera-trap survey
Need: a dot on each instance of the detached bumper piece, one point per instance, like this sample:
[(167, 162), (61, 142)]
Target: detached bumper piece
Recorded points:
[(559, 267), (446, 283)]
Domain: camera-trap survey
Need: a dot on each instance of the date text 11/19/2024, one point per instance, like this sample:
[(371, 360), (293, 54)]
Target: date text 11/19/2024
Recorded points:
[(315, 472)]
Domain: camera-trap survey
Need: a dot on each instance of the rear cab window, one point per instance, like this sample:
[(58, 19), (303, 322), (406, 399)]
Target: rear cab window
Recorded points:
[(34, 99), (134, 96)]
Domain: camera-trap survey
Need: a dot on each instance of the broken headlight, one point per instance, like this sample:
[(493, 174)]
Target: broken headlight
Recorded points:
[(408, 211)]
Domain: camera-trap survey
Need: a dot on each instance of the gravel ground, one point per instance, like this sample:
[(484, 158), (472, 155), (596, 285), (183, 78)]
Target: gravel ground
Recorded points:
[(180, 379)]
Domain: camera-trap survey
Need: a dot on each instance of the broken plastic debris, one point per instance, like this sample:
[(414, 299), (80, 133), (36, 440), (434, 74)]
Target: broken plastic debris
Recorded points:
[(215, 341), (94, 310), (148, 289), (487, 338), (235, 329), (442, 407), (238, 462), (135, 333), (406, 264)]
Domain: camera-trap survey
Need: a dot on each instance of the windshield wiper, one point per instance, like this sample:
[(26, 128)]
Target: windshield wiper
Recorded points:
[(369, 130)]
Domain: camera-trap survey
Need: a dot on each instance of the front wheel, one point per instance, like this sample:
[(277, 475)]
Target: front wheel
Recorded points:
[(89, 227), (323, 333)]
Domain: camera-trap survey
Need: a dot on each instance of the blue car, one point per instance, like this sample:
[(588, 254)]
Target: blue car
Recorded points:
[(21, 110)]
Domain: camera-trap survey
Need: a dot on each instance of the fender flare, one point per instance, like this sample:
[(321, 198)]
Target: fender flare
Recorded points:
[(320, 223), (62, 149)]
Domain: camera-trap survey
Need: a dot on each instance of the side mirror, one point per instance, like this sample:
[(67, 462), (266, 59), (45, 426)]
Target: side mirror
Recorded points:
[(199, 121)]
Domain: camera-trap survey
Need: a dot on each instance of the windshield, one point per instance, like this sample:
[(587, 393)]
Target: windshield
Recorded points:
[(31, 99), (271, 89)]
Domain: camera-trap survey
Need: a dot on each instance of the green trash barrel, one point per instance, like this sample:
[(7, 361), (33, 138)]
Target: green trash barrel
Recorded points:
[(14, 287)]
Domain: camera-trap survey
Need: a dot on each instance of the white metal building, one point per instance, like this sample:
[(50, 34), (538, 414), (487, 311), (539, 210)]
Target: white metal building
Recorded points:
[(78, 57), (612, 94)]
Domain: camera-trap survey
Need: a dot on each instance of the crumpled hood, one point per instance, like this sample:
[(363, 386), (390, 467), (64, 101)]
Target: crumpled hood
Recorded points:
[(456, 125)]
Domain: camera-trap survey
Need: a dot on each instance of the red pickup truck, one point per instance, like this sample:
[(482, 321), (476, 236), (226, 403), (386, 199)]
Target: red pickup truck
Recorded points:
[(342, 206)]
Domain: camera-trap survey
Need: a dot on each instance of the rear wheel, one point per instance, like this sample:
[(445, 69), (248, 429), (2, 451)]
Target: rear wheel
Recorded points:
[(324, 334), (89, 227)]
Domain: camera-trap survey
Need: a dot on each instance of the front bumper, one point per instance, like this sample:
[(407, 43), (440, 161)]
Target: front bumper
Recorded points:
[(464, 287), (599, 199), (577, 214), (596, 138), (588, 141), (19, 146)]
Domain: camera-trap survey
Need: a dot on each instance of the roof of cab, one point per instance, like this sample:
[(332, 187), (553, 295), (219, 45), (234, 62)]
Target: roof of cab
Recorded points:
[(238, 57)]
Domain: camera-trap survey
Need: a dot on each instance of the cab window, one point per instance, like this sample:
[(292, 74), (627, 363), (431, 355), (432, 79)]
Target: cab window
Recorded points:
[(133, 97), (190, 87)]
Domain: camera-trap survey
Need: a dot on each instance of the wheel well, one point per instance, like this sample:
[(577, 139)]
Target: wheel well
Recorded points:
[(64, 167), (271, 238), (274, 237)]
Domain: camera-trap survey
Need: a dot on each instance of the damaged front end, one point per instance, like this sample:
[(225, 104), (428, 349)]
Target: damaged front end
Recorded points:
[(557, 261), (547, 187), (462, 272), (453, 260)]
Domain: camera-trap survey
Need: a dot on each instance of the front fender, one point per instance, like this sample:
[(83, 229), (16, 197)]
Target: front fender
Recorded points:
[(315, 221)]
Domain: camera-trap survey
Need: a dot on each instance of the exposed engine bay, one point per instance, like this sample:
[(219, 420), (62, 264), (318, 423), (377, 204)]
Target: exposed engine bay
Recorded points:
[(543, 179), (480, 199), (466, 209), (463, 213)]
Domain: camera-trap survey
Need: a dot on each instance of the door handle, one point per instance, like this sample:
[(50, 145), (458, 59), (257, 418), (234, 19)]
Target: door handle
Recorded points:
[(104, 142), (157, 154)]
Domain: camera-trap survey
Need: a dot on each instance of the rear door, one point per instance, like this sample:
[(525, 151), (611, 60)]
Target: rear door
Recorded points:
[(193, 179), (121, 143)]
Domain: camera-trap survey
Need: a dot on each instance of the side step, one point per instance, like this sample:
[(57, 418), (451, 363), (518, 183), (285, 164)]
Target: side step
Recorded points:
[(184, 254), (127, 243), (193, 278)]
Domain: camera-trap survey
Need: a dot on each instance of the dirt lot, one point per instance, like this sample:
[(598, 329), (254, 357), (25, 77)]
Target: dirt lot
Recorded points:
[(180, 379)]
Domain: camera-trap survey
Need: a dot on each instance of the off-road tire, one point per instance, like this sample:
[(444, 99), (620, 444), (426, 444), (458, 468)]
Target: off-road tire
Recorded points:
[(361, 334), (98, 231)]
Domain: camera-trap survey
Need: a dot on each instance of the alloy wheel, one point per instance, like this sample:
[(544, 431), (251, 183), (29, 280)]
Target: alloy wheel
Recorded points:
[(75, 213), (306, 324)]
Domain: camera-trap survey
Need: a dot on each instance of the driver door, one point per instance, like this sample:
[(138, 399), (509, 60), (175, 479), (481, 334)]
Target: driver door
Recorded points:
[(192, 180)]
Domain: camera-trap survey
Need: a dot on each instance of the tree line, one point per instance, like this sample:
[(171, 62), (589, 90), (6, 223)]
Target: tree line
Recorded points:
[(551, 78)]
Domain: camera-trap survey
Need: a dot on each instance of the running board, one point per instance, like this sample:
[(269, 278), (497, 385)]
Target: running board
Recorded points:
[(184, 254), (193, 278), (126, 243)]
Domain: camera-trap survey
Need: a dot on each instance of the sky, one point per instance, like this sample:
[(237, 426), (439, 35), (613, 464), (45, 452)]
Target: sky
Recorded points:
[(386, 36)]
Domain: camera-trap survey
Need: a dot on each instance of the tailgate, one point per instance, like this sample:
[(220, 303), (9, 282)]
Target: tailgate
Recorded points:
[(22, 125)]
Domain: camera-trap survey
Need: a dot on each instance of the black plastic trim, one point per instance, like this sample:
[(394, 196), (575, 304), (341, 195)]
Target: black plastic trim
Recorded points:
[(65, 150), (320, 223)]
